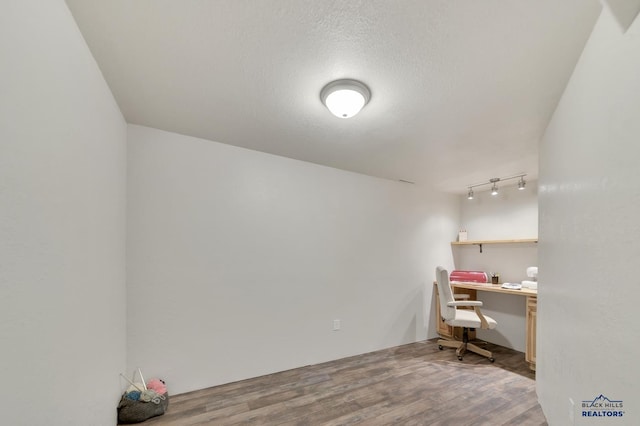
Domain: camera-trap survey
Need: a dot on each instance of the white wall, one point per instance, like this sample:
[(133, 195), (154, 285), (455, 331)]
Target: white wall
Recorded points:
[(588, 324), (511, 214), (239, 261), (62, 224)]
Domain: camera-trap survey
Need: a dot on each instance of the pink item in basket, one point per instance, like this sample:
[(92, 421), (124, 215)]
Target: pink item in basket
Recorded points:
[(469, 276), (157, 385)]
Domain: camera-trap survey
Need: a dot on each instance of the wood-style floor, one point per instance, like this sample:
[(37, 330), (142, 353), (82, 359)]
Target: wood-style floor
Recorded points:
[(414, 384)]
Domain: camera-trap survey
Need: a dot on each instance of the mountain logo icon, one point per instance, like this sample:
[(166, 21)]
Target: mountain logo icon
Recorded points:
[(598, 400)]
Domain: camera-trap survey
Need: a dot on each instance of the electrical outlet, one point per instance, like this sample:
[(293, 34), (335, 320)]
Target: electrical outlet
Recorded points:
[(336, 324)]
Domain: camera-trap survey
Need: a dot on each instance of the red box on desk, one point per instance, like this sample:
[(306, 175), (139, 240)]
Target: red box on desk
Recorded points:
[(469, 276)]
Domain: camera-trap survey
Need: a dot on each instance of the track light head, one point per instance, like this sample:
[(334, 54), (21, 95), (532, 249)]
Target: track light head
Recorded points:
[(521, 183)]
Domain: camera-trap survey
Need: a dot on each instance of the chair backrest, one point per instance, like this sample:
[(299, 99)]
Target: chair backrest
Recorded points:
[(445, 294)]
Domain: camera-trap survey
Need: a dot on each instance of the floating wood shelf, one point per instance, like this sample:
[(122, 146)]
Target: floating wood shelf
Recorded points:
[(481, 242)]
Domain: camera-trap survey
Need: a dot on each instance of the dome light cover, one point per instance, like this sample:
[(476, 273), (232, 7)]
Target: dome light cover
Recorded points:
[(345, 98)]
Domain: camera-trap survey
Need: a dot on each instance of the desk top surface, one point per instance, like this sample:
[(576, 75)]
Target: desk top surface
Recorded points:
[(494, 288)]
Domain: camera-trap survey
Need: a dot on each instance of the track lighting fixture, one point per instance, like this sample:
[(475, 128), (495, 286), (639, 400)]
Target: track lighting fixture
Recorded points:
[(521, 184), (494, 184)]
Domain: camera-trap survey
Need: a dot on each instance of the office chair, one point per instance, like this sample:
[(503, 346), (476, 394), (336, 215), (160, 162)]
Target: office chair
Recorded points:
[(465, 318)]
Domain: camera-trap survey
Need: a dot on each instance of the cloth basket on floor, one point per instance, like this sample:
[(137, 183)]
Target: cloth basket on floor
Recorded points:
[(130, 411), (139, 403)]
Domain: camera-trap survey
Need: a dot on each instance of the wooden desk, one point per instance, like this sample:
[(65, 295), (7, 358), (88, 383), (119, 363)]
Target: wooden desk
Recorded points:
[(494, 288), (471, 289)]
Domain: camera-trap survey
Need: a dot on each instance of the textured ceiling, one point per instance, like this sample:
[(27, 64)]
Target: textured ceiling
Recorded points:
[(462, 91)]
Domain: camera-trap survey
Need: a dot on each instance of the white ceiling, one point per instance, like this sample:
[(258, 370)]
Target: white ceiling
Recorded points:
[(462, 90)]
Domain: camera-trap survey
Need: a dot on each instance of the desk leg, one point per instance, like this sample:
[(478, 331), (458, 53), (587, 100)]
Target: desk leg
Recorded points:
[(532, 314)]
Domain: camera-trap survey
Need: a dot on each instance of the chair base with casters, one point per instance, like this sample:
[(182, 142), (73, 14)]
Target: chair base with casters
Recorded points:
[(465, 318), (464, 345)]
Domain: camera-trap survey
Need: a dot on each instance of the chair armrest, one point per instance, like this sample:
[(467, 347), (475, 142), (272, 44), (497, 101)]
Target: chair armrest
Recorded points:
[(465, 303), (483, 320), (461, 296)]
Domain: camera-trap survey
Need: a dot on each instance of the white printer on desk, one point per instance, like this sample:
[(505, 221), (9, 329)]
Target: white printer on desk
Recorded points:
[(532, 272)]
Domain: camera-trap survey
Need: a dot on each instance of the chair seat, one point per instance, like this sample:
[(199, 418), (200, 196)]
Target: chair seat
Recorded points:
[(468, 318)]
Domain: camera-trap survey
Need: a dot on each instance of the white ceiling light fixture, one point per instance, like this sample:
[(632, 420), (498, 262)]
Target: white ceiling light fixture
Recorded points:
[(494, 184), (345, 98)]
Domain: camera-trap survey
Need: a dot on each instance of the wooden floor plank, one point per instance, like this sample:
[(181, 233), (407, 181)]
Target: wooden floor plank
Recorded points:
[(414, 384)]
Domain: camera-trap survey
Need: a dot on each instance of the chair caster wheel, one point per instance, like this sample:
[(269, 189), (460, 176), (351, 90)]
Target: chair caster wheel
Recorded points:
[(491, 360), (440, 347), (459, 358)]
